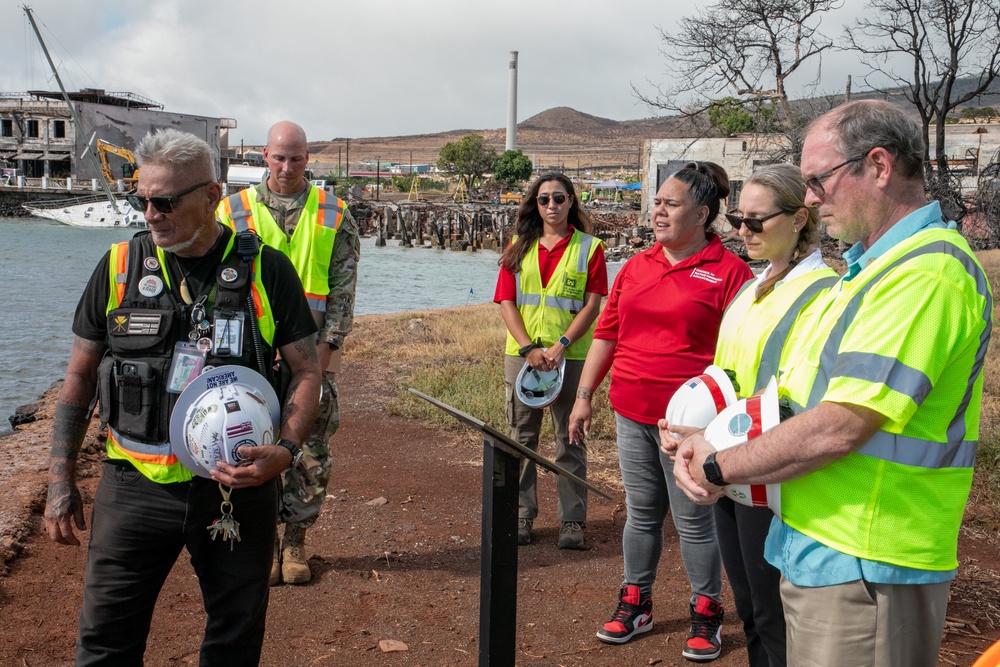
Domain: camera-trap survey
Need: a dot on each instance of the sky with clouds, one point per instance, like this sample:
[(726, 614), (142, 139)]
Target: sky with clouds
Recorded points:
[(362, 69)]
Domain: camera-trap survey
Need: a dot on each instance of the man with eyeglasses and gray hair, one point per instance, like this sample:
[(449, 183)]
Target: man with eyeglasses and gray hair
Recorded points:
[(188, 290), (885, 376)]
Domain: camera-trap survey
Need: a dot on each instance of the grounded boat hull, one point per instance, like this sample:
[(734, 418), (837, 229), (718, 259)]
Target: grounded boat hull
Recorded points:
[(87, 212)]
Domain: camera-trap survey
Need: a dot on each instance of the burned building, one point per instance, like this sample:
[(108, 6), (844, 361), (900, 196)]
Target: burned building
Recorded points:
[(38, 137)]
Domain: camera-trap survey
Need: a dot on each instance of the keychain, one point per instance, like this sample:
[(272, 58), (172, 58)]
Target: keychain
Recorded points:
[(226, 525)]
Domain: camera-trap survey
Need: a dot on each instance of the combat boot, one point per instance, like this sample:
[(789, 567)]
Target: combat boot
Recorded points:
[(276, 563), (294, 568)]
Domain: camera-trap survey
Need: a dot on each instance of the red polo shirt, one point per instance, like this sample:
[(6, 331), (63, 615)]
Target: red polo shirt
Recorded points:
[(665, 320), (597, 271)]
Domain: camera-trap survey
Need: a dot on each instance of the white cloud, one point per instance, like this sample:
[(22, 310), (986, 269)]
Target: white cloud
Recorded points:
[(356, 69)]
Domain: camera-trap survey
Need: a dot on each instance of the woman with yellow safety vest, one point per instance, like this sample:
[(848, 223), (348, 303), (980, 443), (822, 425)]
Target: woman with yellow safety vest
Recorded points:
[(552, 278), (776, 226)]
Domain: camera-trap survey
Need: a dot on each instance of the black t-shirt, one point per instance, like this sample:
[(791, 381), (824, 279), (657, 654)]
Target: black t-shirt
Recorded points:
[(292, 318)]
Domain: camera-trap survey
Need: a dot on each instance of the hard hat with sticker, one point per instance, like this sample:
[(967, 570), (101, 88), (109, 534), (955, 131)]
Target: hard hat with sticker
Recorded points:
[(222, 410), (742, 421)]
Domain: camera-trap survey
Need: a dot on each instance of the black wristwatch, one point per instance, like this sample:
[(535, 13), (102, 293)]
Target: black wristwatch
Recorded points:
[(526, 349), (712, 472), (293, 449)]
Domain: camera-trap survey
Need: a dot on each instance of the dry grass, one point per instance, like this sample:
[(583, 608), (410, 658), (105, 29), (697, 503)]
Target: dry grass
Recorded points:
[(456, 356)]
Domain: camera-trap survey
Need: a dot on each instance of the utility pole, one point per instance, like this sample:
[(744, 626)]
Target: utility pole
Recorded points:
[(378, 166)]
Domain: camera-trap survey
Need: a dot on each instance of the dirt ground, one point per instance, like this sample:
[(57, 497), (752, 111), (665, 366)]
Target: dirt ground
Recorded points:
[(406, 570)]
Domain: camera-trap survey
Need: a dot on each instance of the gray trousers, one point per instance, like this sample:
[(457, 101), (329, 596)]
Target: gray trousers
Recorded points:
[(525, 425)]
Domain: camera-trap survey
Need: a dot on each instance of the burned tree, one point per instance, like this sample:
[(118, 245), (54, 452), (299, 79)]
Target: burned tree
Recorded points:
[(745, 50), (940, 54)]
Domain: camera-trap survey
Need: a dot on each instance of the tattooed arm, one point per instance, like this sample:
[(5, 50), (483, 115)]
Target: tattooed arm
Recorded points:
[(297, 415), (63, 507), (302, 401)]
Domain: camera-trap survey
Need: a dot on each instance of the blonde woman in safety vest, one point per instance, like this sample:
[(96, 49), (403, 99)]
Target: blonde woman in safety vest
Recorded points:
[(774, 223), (552, 278)]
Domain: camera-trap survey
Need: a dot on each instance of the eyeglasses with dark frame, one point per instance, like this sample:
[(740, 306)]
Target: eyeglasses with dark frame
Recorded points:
[(558, 197), (816, 182), (755, 225), (161, 204)]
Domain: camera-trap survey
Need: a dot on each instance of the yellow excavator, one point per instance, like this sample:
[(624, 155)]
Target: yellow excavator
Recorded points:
[(130, 170)]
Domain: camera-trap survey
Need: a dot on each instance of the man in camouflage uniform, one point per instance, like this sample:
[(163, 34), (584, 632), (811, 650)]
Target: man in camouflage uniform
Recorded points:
[(329, 276)]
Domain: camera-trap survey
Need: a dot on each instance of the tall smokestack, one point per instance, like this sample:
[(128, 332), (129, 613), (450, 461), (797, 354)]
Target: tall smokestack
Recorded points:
[(512, 103)]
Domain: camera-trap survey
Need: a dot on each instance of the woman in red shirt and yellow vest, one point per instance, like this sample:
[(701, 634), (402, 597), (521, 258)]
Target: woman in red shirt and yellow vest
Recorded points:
[(552, 278)]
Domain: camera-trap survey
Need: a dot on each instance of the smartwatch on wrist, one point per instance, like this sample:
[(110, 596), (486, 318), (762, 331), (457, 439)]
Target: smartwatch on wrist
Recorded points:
[(712, 471), (526, 349), (293, 449), (565, 342)]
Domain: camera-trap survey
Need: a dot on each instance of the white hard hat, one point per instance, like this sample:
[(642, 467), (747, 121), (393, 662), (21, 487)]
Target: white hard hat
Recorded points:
[(740, 422), (536, 388), (697, 402), (223, 409)]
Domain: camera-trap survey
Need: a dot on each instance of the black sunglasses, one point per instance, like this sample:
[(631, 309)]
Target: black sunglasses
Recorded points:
[(161, 204), (755, 225), (559, 198)]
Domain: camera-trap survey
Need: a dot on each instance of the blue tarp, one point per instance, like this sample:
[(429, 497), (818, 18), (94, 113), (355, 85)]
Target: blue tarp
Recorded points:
[(631, 186)]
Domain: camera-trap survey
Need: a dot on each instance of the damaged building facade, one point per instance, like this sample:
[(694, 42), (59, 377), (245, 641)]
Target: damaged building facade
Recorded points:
[(38, 138)]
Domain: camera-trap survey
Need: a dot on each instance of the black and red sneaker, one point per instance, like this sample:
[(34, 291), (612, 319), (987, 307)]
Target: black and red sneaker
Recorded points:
[(633, 616), (705, 642)]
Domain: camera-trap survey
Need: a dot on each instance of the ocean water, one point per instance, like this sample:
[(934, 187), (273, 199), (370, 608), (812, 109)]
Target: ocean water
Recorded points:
[(44, 267)]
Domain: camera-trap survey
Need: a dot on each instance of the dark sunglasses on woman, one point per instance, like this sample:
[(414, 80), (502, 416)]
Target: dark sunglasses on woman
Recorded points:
[(755, 225), (559, 198)]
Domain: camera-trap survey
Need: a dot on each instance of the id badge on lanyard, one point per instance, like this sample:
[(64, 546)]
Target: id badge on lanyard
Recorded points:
[(227, 335)]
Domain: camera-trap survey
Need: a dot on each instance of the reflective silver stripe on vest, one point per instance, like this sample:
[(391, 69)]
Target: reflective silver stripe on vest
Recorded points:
[(582, 261), (239, 213), (921, 453), (334, 208), (562, 303), (130, 445), (318, 305), (885, 370), (771, 354), (828, 359), (956, 429)]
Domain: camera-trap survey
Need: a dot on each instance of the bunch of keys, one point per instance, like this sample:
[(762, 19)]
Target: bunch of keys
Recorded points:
[(226, 525), (199, 322)]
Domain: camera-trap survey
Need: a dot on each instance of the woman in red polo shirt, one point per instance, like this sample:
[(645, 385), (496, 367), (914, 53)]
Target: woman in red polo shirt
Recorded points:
[(552, 278), (659, 329)]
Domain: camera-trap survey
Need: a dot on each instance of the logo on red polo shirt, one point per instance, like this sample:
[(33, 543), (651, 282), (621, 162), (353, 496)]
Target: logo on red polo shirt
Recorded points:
[(702, 274)]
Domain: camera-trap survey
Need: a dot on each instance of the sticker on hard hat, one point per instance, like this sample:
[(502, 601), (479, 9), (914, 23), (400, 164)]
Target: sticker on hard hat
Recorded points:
[(222, 410), (740, 425)]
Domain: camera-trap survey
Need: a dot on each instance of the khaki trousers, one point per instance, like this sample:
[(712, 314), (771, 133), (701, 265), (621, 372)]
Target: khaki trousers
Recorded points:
[(861, 624)]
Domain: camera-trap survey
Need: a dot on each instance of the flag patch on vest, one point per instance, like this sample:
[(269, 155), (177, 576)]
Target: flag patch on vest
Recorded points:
[(143, 324)]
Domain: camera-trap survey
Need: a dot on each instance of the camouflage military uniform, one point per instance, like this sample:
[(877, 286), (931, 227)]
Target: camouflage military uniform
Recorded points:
[(305, 484)]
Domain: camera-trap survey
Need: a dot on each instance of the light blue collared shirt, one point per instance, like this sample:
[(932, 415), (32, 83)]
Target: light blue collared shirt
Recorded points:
[(803, 560)]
